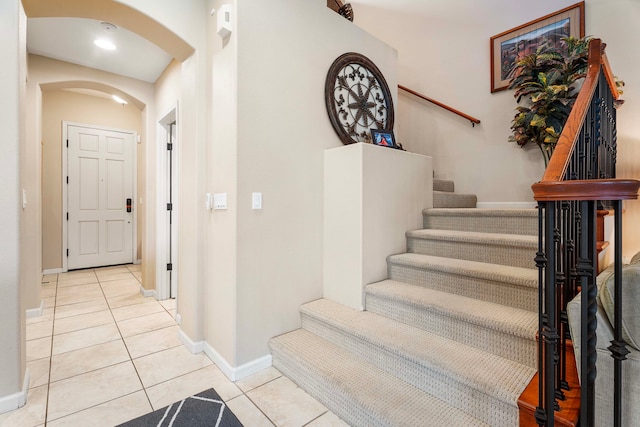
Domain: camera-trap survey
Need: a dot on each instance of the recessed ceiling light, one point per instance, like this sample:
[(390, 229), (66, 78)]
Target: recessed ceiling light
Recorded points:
[(105, 44), (119, 100), (108, 26)]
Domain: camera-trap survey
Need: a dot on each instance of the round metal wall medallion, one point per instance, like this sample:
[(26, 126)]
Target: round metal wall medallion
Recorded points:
[(358, 98)]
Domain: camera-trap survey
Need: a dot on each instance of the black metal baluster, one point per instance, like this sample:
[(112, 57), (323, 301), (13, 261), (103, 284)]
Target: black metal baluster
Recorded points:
[(586, 272), (618, 348)]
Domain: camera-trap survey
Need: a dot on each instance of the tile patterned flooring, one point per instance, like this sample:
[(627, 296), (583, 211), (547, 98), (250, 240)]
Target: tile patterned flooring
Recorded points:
[(101, 354)]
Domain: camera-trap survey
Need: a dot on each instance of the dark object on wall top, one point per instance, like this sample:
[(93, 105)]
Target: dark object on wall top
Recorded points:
[(343, 9)]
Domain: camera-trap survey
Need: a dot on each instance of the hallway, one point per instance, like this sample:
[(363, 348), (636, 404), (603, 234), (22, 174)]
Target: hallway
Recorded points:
[(101, 354)]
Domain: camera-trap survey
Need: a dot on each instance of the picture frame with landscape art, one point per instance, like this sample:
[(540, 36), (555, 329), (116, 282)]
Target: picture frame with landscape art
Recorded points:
[(509, 46)]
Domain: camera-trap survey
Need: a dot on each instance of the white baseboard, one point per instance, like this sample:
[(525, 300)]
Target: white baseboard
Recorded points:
[(147, 292), (137, 262), (240, 372), (35, 312), (193, 346), (53, 271), (16, 400), (506, 205)]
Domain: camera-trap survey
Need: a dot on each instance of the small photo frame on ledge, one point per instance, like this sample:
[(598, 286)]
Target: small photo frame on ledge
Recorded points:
[(383, 138)]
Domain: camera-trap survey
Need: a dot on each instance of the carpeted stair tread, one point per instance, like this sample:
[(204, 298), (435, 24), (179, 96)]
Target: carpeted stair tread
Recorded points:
[(445, 199), (504, 221), (443, 185), (526, 277), (358, 392), (497, 317), (500, 329), (461, 366), (505, 249)]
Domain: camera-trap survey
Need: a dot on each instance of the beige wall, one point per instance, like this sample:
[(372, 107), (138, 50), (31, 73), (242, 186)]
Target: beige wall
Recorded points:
[(480, 160), (59, 106), (12, 315), (282, 132)]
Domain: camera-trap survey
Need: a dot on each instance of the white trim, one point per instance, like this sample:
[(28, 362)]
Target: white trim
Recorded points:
[(16, 400), (52, 270), (240, 372), (137, 262), (506, 205), (35, 312), (192, 346), (162, 218), (147, 292), (65, 172)]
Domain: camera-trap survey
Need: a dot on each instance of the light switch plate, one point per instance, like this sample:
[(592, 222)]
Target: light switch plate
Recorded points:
[(256, 200), (220, 201)]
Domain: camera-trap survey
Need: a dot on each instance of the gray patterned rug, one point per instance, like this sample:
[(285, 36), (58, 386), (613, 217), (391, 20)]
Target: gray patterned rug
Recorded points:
[(203, 409)]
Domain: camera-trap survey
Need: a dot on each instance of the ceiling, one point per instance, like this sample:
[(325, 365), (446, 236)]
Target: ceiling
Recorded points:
[(71, 40)]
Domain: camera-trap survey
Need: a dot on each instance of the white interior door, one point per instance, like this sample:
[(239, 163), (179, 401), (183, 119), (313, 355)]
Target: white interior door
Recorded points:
[(100, 195)]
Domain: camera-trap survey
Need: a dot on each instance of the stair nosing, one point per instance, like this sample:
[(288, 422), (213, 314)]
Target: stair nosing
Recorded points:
[(482, 270)]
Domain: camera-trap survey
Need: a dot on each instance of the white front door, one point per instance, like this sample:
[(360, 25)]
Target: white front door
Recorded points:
[(99, 197)]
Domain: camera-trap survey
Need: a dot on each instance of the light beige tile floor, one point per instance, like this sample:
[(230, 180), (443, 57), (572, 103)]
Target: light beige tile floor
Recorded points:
[(101, 354)]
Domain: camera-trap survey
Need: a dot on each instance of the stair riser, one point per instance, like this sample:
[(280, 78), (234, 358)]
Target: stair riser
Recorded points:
[(453, 200), (443, 185), (419, 374), (507, 294), (505, 225), (511, 347), (516, 256)]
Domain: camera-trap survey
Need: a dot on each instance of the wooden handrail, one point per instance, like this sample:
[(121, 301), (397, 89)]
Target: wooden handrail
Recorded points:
[(566, 143), (552, 187), (473, 120)]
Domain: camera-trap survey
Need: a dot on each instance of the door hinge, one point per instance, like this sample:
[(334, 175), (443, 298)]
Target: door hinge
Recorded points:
[(67, 216), (67, 252), (67, 143), (169, 146), (67, 179), (169, 267), (169, 206)]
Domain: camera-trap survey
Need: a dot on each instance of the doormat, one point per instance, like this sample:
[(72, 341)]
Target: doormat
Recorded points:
[(200, 410)]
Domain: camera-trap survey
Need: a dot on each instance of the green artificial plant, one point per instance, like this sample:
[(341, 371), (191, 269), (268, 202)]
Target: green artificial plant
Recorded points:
[(545, 84)]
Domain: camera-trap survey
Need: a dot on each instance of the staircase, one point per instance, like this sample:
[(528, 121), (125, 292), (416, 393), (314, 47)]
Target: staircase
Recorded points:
[(447, 339)]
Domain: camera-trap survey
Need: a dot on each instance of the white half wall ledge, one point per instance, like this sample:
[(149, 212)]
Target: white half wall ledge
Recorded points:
[(372, 196), (16, 400), (239, 372)]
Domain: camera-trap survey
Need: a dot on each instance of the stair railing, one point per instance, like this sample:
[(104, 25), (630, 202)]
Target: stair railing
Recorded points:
[(580, 174), (472, 119)]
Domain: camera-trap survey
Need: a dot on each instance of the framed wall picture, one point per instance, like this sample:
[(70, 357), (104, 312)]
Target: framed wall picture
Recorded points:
[(508, 47), (384, 138)]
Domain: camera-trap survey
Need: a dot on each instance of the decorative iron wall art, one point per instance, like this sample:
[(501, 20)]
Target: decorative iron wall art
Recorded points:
[(357, 98)]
